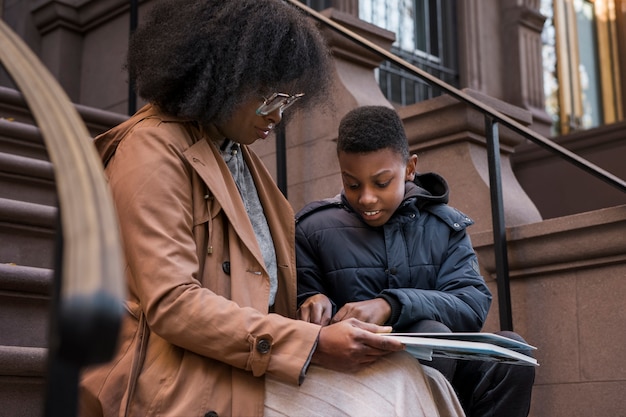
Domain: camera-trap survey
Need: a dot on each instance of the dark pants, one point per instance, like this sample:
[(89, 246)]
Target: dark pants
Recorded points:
[(484, 388)]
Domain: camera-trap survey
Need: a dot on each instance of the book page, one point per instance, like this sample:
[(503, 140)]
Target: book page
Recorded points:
[(492, 338), (461, 349)]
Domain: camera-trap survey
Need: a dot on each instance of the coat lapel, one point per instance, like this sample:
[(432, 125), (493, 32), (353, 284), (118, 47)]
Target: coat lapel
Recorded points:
[(206, 160)]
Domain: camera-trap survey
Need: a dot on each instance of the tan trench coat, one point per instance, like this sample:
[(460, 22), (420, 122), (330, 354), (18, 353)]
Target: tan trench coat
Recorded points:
[(210, 339)]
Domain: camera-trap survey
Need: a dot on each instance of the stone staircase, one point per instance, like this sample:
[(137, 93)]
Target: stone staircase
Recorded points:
[(27, 230), (28, 225)]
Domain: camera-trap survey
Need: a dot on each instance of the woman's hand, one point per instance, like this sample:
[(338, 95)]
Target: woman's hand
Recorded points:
[(376, 311), (316, 309), (351, 344)]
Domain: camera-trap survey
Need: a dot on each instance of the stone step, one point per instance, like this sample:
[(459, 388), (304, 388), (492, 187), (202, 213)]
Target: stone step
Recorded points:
[(13, 109), (23, 361), (25, 294), (28, 226), (21, 139), (27, 233), (22, 381), (27, 179)]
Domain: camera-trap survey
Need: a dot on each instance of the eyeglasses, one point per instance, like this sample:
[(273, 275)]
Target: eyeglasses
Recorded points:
[(277, 101)]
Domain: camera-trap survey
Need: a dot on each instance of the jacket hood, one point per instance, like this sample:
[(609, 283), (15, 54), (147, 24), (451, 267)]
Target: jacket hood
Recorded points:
[(427, 188)]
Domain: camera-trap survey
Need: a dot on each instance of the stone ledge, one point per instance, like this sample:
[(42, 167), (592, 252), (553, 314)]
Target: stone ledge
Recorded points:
[(564, 243)]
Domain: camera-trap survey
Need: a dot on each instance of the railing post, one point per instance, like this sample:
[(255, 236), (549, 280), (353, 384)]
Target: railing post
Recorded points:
[(134, 18), (499, 229), (281, 158), (63, 376)]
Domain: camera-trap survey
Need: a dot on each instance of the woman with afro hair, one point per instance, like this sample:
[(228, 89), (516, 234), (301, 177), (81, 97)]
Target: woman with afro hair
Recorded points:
[(208, 238)]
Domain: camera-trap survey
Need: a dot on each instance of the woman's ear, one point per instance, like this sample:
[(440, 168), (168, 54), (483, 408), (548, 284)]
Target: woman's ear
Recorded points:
[(411, 167)]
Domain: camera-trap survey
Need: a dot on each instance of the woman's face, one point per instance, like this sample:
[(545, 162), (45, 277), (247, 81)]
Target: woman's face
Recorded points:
[(245, 126)]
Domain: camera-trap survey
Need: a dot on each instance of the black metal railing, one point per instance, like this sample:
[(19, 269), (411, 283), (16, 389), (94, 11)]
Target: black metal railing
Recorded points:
[(404, 88), (133, 21), (442, 83), (426, 36), (492, 119)]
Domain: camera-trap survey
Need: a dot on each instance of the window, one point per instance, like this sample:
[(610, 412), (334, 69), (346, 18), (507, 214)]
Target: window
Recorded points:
[(581, 64), (317, 4), (425, 37)]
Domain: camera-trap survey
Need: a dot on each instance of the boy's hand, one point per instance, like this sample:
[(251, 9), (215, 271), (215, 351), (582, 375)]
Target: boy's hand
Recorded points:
[(376, 311), (316, 309), (351, 344)]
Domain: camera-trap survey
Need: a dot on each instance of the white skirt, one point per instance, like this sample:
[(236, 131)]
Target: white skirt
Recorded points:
[(395, 385)]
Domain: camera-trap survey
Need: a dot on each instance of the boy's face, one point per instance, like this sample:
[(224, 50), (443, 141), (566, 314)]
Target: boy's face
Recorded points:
[(374, 182)]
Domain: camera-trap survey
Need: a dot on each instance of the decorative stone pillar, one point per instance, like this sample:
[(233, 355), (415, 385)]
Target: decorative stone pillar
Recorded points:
[(470, 27), (521, 26), (83, 44), (449, 138), (620, 15), (500, 53), (61, 42)]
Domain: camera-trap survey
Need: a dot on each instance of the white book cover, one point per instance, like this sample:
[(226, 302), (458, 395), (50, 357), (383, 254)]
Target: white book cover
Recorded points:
[(467, 346)]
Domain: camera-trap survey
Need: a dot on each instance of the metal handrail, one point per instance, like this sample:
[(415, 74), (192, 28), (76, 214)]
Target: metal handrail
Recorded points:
[(492, 118), (475, 103), (87, 303)]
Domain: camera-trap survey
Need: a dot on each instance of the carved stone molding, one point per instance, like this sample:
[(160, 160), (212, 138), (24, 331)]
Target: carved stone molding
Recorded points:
[(522, 24), (77, 15), (449, 138)]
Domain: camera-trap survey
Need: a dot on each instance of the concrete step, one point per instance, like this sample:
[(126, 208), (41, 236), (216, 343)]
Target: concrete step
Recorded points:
[(13, 108), (22, 382), (28, 227), (27, 179), (25, 294), (21, 139), (27, 233)]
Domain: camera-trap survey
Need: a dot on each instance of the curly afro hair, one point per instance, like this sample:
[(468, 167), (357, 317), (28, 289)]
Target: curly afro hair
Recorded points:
[(200, 59), (371, 128)]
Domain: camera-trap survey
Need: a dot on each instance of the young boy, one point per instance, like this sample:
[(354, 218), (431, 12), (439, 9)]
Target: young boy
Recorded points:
[(389, 250)]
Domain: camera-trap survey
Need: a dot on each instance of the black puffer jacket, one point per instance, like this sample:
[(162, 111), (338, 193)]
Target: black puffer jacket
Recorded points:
[(421, 261)]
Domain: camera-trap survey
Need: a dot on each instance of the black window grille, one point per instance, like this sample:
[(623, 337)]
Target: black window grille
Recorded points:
[(426, 36), (317, 4), (402, 87)]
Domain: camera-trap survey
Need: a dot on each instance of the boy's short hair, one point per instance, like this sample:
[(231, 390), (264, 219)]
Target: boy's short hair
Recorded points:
[(371, 128)]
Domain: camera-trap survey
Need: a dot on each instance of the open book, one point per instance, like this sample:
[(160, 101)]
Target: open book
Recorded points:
[(469, 346)]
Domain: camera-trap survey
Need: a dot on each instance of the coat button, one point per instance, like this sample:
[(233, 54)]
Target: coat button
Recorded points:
[(211, 414), (263, 346), (226, 267)]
